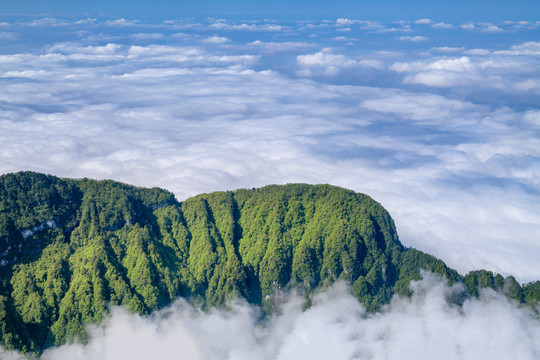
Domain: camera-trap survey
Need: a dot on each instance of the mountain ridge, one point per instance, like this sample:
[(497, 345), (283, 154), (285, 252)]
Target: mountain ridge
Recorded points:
[(70, 248)]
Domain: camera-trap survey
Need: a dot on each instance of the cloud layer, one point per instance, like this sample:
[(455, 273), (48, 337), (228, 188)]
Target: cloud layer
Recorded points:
[(444, 133)]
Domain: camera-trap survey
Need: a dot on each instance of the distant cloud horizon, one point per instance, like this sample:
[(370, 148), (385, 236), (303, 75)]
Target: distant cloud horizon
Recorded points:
[(444, 132)]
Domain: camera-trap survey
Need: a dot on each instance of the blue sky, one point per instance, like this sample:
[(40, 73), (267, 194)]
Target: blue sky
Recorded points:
[(460, 10)]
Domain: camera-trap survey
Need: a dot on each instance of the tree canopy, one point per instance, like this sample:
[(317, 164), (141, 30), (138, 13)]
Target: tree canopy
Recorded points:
[(70, 249)]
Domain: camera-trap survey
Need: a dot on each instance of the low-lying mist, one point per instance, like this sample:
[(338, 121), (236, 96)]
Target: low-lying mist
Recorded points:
[(428, 325)]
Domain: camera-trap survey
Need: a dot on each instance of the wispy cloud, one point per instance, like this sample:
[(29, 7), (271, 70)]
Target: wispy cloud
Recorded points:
[(490, 28), (216, 40), (86, 21), (121, 22), (47, 21), (448, 49), (501, 70), (281, 46), (482, 27), (224, 25), (423, 21), (528, 48), (442, 25), (147, 36), (347, 22), (325, 62), (413, 38), (372, 26)]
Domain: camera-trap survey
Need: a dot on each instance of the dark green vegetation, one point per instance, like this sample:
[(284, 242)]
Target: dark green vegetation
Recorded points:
[(69, 249)]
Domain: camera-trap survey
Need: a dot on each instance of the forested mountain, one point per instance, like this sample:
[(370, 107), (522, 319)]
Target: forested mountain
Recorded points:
[(69, 249)]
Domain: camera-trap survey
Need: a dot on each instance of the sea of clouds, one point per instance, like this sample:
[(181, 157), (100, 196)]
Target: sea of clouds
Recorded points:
[(439, 122)]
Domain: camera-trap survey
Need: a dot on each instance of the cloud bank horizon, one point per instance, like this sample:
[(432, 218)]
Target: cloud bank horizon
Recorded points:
[(438, 121)]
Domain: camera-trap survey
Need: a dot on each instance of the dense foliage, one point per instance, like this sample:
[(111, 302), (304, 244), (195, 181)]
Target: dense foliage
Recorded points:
[(69, 249)]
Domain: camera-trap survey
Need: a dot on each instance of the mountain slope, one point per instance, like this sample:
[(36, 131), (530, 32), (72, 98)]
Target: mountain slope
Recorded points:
[(69, 249)]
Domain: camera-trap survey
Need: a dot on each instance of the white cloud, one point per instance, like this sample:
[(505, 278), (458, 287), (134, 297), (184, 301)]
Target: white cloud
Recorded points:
[(448, 49), (437, 79), (147, 36), (47, 21), (281, 46), (332, 63), (423, 21), (503, 70), (442, 25), (71, 51), (342, 38), (223, 25), (532, 117), (372, 25), (86, 21), (324, 58), (477, 52), (404, 28), (457, 64), (181, 35), (72, 48), (30, 74), (427, 107), (216, 40), (482, 27), (346, 22), (122, 22), (528, 48), (175, 54), (529, 85), (413, 38), (510, 22), (154, 73), (490, 28)]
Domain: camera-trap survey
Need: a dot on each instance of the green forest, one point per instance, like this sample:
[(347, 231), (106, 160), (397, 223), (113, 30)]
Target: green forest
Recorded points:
[(71, 248)]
